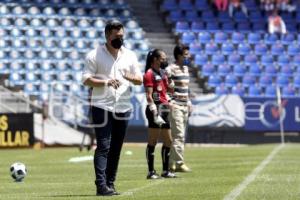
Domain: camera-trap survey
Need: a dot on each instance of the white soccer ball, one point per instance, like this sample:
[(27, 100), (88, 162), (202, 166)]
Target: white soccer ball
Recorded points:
[(18, 171)]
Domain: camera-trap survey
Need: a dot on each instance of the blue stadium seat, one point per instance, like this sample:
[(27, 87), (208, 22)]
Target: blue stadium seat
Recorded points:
[(244, 49), (223, 69), (191, 16), (282, 80), (33, 10), (221, 90), (212, 26), (168, 5), (227, 48), (238, 89), (293, 49), (201, 59), (296, 81), (224, 17), (270, 91), (288, 38), (228, 26), (270, 70), (186, 5), (283, 60), (296, 60), (188, 37), (30, 89), (182, 27), (204, 37), (255, 16), (270, 39), (250, 59), (260, 49), (265, 80), (217, 59), (248, 80), (234, 59), (254, 91), (240, 17), (254, 70), (244, 26), (175, 16), (214, 80), (286, 70), (277, 49), (197, 27), (237, 38), (208, 15), (267, 59), (254, 38), (211, 48), (288, 91), (239, 70), (231, 80), (220, 37), (195, 48), (259, 26), (201, 5), (207, 70)]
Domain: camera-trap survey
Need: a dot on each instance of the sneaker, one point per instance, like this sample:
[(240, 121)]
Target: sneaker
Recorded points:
[(182, 168), (105, 191), (113, 188), (168, 174), (152, 175)]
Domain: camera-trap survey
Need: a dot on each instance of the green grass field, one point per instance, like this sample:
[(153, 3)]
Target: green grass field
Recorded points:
[(216, 172)]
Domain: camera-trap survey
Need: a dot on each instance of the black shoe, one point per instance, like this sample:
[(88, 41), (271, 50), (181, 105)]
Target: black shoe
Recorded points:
[(113, 188), (168, 174), (105, 191), (152, 175)]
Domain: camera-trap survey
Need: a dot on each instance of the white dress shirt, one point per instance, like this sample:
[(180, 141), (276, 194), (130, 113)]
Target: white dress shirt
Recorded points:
[(100, 63)]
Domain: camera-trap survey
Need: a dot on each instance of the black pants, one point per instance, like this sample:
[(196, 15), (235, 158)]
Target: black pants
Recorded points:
[(110, 136)]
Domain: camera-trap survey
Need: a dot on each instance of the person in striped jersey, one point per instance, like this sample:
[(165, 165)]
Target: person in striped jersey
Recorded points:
[(180, 105)]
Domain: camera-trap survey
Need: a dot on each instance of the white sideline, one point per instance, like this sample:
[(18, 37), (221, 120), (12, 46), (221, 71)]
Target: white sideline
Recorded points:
[(81, 159), (243, 185), (130, 192)]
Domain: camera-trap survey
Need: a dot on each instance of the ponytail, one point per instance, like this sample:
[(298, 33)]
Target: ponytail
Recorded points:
[(150, 56)]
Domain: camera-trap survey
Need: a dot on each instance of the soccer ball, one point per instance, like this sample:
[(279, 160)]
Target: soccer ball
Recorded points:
[(18, 171)]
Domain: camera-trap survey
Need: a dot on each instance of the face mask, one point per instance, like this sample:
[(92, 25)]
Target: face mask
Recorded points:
[(186, 61), (117, 43), (163, 65)]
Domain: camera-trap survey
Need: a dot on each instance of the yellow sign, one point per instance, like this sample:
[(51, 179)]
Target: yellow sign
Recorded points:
[(9, 138)]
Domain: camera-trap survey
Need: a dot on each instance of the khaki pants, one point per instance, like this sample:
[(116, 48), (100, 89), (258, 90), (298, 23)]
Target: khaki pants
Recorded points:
[(178, 119)]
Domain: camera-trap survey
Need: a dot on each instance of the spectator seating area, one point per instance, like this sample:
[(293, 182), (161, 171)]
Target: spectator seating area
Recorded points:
[(247, 62), (43, 42)]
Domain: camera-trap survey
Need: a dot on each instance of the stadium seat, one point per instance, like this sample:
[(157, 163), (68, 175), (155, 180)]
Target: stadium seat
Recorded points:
[(296, 81), (223, 69), (217, 59), (254, 38), (270, 39), (244, 49), (277, 49), (293, 49), (221, 90), (188, 37), (192, 16), (260, 49), (212, 26), (237, 38), (239, 70), (254, 91), (254, 70), (197, 27), (230, 80), (211, 48), (228, 26), (250, 59), (296, 60), (201, 59), (185, 5), (195, 48), (288, 91), (182, 27), (283, 60), (248, 80), (201, 5), (270, 91), (207, 70), (244, 26), (204, 37), (286, 70), (266, 59), (270, 70), (265, 80), (214, 80), (234, 59), (227, 48), (238, 89), (168, 5), (288, 38), (224, 17), (282, 80), (175, 16), (220, 37), (259, 26)]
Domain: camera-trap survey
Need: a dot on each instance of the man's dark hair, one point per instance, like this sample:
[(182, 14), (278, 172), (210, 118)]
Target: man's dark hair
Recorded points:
[(179, 49), (113, 25)]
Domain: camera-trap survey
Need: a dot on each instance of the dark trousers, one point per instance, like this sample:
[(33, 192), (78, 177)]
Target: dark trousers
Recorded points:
[(110, 138)]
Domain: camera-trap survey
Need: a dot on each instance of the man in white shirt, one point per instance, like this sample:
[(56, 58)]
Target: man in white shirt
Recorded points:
[(276, 24), (109, 70)]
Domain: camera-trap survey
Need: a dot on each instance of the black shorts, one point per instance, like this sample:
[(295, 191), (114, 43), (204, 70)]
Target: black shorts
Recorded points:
[(164, 113)]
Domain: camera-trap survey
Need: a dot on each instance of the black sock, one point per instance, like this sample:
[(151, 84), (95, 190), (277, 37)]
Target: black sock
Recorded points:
[(150, 157), (165, 155)]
